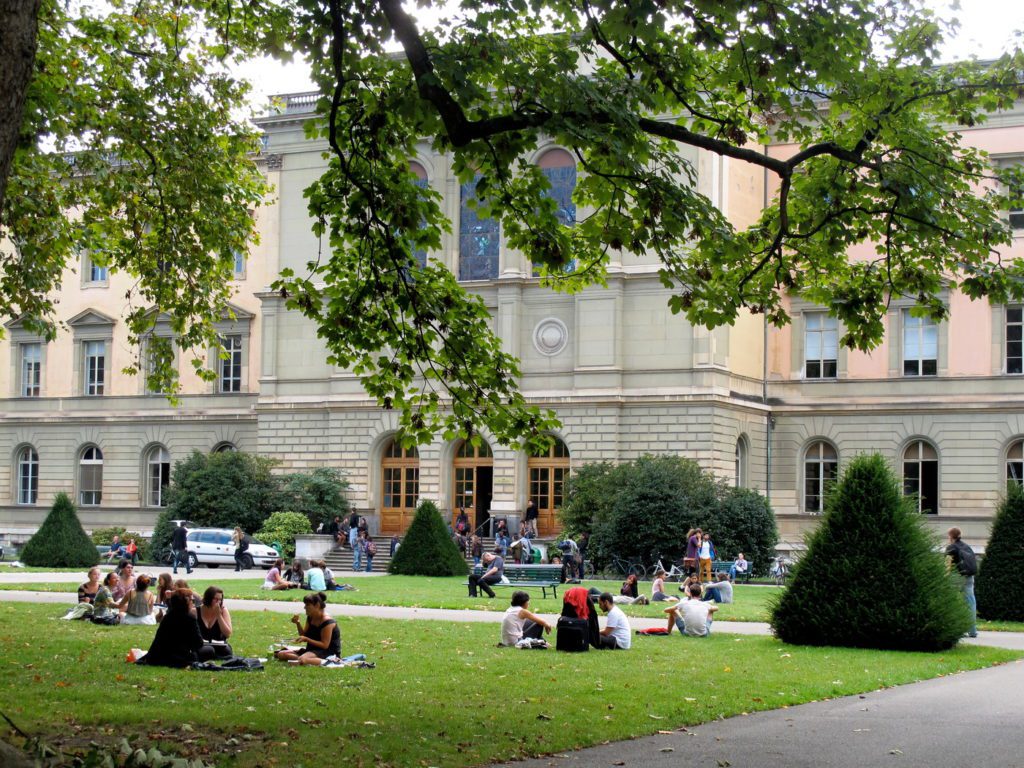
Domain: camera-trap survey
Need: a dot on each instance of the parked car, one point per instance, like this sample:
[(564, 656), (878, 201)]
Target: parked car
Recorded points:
[(213, 547)]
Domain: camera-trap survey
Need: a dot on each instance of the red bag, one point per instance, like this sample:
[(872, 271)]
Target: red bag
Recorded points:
[(653, 631)]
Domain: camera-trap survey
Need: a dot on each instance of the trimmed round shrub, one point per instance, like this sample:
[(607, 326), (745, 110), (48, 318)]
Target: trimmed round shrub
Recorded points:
[(283, 527), (999, 586), (873, 576), (60, 542), (427, 548)]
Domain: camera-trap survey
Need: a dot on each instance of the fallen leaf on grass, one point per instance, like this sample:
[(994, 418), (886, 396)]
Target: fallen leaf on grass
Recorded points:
[(656, 717), (542, 716)]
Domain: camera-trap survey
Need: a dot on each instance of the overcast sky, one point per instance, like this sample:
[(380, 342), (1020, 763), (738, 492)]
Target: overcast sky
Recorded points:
[(987, 28)]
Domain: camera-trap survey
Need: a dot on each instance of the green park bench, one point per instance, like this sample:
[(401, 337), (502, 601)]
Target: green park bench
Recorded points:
[(525, 576)]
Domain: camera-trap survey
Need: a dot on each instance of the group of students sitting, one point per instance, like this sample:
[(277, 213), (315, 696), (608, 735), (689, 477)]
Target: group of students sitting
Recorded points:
[(577, 628), (317, 578), (718, 591)]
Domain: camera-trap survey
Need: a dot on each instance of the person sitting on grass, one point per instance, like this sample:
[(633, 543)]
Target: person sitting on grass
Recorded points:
[(321, 634), (519, 621), (629, 593), (616, 634), (295, 575), (104, 606), (214, 625), (658, 589), (177, 639), (274, 579), (87, 591), (316, 581), (126, 580), (137, 606), (719, 591), (691, 617)]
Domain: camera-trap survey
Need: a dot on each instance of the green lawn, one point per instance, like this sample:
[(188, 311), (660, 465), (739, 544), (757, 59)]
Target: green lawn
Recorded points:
[(427, 592), (442, 693)]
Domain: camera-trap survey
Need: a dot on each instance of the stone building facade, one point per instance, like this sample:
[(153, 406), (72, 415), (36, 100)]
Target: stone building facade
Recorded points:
[(778, 410)]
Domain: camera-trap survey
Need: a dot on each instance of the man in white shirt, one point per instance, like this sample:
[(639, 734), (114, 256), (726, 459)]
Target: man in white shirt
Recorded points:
[(616, 634), (691, 617)]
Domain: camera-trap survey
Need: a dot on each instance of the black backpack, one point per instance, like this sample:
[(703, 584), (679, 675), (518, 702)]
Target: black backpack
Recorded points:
[(967, 562), (572, 635)]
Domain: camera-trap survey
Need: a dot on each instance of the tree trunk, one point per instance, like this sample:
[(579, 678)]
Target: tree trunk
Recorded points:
[(18, 33)]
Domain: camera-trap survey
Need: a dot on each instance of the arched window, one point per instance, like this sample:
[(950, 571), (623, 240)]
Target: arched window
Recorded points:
[(478, 238), (474, 481), (560, 169), (28, 475), (224, 448), (740, 478), (1015, 463), (158, 476), (548, 472), (821, 466), (921, 476), (400, 491), (90, 477), (422, 182)]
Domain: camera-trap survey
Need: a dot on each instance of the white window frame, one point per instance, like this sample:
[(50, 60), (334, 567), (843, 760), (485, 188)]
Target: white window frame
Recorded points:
[(922, 447), (93, 275), (229, 373), (821, 325), (158, 476), (31, 369), (28, 476), (919, 326), (1018, 322), (90, 457), (820, 461), (1014, 465), (94, 376)]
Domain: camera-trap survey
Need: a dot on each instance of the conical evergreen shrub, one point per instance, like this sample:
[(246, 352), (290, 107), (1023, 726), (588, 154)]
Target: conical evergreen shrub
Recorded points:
[(999, 586), (872, 576), (427, 548), (60, 542)]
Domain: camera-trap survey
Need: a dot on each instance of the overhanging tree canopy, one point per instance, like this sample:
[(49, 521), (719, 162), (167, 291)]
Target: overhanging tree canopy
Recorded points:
[(852, 84)]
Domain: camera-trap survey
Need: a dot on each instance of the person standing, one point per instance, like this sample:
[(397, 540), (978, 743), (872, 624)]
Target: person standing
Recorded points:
[(616, 634), (692, 548), (582, 543), (494, 569), (531, 518), (369, 550), (358, 549), (241, 542), (353, 529), (962, 557), (706, 554), (179, 547)]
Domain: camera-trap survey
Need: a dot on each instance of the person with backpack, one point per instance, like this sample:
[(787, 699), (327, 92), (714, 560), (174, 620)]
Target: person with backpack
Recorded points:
[(962, 557), (369, 549)]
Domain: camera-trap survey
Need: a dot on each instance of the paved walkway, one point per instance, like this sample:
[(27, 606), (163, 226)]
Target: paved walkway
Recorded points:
[(20, 576), (970, 719)]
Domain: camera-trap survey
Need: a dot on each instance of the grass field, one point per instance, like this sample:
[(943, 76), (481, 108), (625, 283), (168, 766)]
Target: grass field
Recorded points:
[(441, 695), (438, 592)]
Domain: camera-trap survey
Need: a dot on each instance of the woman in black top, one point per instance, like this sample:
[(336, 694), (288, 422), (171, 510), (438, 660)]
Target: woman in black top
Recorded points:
[(214, 624), (321, 634), (87, 592), (177, 638)]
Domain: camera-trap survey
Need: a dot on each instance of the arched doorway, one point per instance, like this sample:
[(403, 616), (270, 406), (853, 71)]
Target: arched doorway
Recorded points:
[(548, 472), (473, 481), (400, 487)]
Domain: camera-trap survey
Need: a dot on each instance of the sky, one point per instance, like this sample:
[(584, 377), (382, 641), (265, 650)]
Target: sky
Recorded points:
[(987, 27)]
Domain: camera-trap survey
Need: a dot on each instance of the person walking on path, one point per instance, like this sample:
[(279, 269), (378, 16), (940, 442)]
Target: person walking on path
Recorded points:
[(241, 542), (962, 557), (179, 548)]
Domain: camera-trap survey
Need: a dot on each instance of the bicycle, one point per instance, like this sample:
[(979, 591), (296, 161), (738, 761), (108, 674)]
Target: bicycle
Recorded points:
[(672, 573), (626, 567)]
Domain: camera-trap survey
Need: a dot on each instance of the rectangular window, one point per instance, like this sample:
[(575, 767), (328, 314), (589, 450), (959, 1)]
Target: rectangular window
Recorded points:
[(231, 366), (95, 367), (1014, 340), (821, 345), (31, 370), (920, 345), (239, 264), (93, 272)]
